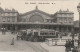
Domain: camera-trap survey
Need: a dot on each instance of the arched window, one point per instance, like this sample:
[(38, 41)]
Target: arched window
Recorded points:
[(36, 18)]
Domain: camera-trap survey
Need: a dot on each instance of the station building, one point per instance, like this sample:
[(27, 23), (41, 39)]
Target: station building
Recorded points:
[(62, 21)]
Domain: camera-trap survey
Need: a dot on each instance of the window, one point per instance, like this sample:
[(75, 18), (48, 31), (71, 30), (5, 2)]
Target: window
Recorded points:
[(10, 14), (2, 14), (4, 19), (8, 19), (52, 33), (67, 15), (70, 20), (6, 14), (41, 34), (24, 20), (14, 14), (13, 19), (47, 20), (65, 20), (72, 15), (35, 18), (60, 20), (59, 15)]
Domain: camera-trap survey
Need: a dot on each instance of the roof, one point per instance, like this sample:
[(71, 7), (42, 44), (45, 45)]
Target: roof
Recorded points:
[(78, 5), (35, 11), (67, 11), (1, 9), (34, 23), (8, 10)]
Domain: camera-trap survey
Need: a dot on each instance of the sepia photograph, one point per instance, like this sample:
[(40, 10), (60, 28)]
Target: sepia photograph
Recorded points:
[(39, 26)]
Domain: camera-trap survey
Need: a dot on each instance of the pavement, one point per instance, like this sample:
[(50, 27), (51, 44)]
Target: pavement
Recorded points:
[(56, 48), (53, 48)]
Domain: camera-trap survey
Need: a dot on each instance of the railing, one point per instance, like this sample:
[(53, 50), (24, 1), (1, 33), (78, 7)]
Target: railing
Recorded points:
[(55, 41), (60, 41)]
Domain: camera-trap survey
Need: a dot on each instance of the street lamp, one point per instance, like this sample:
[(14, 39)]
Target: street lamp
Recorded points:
[(73, 31), (78, 8)]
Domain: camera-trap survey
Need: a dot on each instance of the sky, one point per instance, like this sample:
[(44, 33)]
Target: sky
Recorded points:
[(50, 8)]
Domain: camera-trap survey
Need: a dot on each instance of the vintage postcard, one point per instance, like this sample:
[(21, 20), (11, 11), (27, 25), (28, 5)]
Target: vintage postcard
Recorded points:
[(39, 26)]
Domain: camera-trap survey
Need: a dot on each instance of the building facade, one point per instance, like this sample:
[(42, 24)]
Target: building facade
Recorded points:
[(7, 18), (36, 19), (65, 19)]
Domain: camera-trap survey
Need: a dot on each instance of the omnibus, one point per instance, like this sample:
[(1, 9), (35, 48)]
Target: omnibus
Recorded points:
[(42, 34)]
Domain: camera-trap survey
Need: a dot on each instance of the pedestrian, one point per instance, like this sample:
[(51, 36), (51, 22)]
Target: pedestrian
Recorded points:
[(4, 31), (12, 43), (67, 45), (69, 42), (75, 49), (55, 42), (61, 36), (72, 43), (24, 35), (17, 37), (78, 43)]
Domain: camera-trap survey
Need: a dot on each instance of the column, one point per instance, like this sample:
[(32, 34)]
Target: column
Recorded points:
[(72, 29), (16, 28), (52, 26), (57, 28), (61, 29), (79, 21), (72, 32), (67, 30), (78, 8)]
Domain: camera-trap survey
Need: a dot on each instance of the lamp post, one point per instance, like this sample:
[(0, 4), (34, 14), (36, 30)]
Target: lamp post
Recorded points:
[(73, 32), (78, 8)]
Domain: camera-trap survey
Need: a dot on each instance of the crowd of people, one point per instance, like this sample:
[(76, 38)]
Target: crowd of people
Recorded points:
[(70, 46)]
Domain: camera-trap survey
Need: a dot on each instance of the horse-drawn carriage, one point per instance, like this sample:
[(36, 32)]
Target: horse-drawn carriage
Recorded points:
[(21, 34)]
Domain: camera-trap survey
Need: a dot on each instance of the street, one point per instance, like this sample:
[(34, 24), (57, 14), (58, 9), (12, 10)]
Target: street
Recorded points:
[(19, 45), (25, 46)]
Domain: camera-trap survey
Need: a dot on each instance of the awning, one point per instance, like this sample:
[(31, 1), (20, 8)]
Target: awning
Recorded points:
[(44, 23)]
